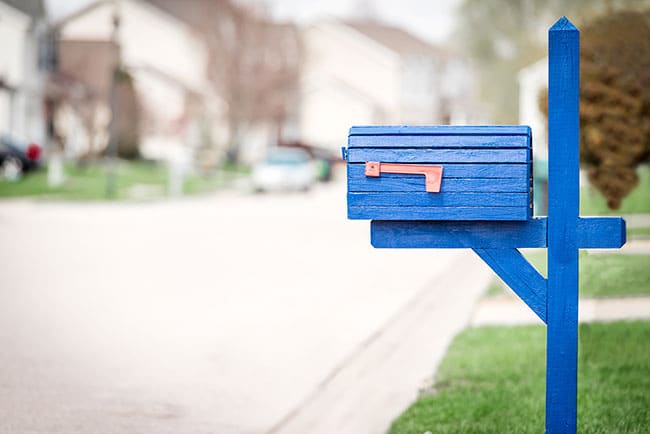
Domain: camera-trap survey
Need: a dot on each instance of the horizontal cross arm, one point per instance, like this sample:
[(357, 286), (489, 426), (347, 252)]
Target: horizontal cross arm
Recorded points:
[(593, 232), (601, 232)]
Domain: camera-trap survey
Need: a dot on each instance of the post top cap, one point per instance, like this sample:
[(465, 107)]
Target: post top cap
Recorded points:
[(563, 24)]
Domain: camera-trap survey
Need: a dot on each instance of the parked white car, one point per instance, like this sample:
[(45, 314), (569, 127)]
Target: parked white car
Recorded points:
[(284, 170)]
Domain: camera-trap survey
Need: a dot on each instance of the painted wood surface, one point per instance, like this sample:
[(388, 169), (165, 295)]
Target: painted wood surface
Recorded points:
[(459, 234), (426, 155), (601, 233), (415, 183), (563, 210), (459, 170), (430, 141), (481, 130), (486, 173), (592, 232), (448, 199), (515, 270), (502, 213)]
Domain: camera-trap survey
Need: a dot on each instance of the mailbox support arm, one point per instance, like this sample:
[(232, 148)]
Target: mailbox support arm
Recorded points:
[(515, 270), (593, 233)]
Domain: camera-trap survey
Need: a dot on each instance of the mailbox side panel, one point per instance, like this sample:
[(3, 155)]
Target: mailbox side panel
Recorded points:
[(486, 173)]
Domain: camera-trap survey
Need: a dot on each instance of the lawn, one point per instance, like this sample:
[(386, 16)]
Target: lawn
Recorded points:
[(492, 380), (134, 181), (638, 233), (638, 201), (601, 274)]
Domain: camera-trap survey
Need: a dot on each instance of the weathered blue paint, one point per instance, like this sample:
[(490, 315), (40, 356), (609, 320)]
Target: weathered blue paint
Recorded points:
[(486, 176), (459, 170), (486, 173), (415, 183), (422, 141), (593, 233), (427, 155), (451, 130), (563, 210), (601, 232), (428, 199), (500, 213), (523, 278), (457, 234)]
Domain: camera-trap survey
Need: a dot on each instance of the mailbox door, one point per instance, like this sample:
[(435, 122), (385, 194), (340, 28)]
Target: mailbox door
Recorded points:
[(486, 173)]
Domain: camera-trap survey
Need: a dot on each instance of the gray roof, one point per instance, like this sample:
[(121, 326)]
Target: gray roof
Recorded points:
[(33, 8)]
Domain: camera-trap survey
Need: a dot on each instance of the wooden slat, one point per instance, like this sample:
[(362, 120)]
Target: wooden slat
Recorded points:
[(434, 199), (457, 234), (396, 183), (593, 232), (427, 141), (601, 232), (442, 130), (459, 170), (437, 213), (413, 155)]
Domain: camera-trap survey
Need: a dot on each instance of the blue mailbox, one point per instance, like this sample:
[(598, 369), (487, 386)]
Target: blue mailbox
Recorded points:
[(471, 187), (440, 173)]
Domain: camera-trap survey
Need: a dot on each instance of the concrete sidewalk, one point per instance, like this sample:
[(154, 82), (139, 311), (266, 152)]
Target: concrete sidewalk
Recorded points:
[(509, 310), (637, 220), (366, 392), (631, 247)]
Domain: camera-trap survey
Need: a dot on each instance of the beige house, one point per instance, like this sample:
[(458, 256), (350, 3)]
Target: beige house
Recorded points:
[(362, 73), (166, 59)]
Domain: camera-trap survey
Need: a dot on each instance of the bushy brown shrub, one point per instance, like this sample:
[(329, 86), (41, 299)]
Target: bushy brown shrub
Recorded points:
[(615, 101)]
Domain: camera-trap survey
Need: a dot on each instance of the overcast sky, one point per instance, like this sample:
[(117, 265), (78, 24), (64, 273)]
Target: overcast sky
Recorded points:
[(430, 19)]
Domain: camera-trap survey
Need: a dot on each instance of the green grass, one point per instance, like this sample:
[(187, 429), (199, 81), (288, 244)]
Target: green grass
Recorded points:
[(601, 274), (638, 233), (492, 380), (134, 181), (638, 201)]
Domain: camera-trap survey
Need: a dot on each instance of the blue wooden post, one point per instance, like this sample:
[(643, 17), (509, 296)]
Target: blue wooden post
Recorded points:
[(563, 212)]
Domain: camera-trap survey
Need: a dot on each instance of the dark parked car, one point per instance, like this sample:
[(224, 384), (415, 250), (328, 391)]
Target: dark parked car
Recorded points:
[(17, 157)]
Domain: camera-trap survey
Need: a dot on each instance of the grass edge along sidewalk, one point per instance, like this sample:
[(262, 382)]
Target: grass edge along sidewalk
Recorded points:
[(492, 381)]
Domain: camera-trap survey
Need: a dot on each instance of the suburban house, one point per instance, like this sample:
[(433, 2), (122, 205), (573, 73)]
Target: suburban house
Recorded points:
[(255, 65), (167, 62), (24, 64), (362, 73), (533, 81)]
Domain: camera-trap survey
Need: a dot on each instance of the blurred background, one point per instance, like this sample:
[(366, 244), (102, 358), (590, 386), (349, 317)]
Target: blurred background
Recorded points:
[(175, 251), (149, 99)]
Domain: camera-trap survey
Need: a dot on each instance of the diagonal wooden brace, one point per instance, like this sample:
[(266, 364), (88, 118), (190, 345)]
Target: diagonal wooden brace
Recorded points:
[(515, 270)]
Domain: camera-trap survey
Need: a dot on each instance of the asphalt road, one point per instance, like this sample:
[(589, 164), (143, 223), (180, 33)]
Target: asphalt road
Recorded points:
[(217, 314)]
